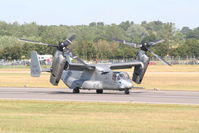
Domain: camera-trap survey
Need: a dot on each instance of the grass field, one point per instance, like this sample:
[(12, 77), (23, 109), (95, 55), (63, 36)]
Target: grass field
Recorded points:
[(20, 77), (177, 77), (75, 117)]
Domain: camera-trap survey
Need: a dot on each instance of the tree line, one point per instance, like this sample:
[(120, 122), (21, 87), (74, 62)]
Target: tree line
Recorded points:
[(91, 42)]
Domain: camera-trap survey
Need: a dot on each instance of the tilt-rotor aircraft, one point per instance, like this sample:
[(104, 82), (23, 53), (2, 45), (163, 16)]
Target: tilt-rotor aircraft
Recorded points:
[(97, 77)]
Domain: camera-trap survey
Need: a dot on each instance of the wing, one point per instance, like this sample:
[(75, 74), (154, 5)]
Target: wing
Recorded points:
[(80, 67), (104, 67), (126, 65)]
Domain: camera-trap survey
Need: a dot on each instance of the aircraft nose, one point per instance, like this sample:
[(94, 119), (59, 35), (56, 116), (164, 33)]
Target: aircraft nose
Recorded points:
[(126, 84), (129, 85)]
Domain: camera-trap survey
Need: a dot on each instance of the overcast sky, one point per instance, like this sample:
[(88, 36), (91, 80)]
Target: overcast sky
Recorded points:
[(78, 12)]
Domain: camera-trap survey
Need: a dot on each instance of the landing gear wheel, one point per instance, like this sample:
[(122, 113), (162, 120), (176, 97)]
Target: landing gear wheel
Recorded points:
[(76, 90), (126, 91), (99, 91)]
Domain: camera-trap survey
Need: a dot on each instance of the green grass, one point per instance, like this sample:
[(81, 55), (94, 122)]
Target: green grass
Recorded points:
[(180, 81), (19, 78), (14, 66), (76, 117), (20, 66)]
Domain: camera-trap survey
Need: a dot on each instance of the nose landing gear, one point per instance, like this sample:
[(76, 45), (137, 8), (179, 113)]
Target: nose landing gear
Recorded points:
[(126, 91)]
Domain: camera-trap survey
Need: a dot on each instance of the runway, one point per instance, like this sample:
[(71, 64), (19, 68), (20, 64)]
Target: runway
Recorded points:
[(136, 96)]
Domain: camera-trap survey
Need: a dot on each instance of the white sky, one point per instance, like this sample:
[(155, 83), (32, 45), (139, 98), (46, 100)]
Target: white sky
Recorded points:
[(78, 12)]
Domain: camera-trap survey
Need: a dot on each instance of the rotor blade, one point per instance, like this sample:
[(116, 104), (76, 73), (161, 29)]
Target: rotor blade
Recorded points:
[(156, 42), (69, 40), (132, 44), (115, 39), (69, 52), (65, 43), (36, 42), (127, 43), (72, 37), (160, 58)]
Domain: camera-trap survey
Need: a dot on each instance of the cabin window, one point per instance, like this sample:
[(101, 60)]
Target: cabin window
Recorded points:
[(120, 75), (114, 76)]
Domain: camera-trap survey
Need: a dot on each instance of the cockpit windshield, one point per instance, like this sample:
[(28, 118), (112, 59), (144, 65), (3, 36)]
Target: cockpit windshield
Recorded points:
[(120, 75)]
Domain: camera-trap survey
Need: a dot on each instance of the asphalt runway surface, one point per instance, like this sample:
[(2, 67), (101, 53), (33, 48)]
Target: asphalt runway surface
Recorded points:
[(135, 96)]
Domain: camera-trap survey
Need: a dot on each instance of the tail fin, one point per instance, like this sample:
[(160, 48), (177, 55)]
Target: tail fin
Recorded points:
[(35, 65)]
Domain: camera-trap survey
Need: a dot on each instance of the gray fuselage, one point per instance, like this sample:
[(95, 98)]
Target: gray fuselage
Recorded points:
[(92, 79)]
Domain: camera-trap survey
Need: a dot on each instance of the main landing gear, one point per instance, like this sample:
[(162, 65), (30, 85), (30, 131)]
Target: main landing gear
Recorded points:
[(76, 90), (99, 91), (126, 91)]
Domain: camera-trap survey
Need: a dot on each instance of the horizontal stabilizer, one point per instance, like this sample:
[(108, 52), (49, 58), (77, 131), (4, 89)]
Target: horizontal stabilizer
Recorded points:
[(46, 70)]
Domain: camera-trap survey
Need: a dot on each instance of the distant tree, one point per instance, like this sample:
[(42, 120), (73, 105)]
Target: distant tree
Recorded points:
[(26, 49), (105, 50), (151, 36), (12, 53), (143, 22), (93, 24), (15, 52), (115, 31), (90, 52), (161, 49), (137, 33), (189, 48), (4, 29), (92, 42), (29, 29), (192, 47), (1, 54), (100, 23), (193, 34), (125, 25), (186, 31)]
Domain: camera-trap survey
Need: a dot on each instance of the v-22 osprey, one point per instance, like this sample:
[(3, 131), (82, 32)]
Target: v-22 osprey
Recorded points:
[(97, 77)]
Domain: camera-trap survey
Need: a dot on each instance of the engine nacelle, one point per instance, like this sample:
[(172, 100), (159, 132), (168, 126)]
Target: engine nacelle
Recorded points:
[(58, 65), (139, 71)]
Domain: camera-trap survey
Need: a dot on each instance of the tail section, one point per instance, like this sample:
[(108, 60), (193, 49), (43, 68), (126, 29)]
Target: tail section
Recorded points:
[(139, 71), (35, 65)]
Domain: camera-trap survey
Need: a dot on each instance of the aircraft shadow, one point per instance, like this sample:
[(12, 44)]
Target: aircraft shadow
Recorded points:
[(86, 93), (83, 93)]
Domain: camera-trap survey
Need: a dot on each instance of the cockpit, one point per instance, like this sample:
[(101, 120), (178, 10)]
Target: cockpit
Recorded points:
[(120, 75)]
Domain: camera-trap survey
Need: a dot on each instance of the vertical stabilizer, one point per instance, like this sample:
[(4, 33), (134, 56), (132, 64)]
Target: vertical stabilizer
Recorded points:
[(35, 65)]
